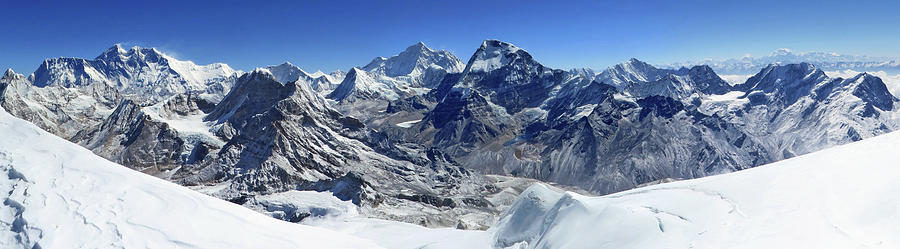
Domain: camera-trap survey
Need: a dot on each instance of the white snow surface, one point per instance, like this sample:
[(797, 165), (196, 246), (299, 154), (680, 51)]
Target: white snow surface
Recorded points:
[(843, 197), (60, 195)]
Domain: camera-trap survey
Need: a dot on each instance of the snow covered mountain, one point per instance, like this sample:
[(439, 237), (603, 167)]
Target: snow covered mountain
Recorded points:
[(827, 61), (808, 110), (143, 72), (639, 79), (367, 91), (59, 195), (319, 81)]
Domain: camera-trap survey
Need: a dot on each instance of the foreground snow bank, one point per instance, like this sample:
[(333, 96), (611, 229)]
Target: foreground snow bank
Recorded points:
[(843, 197), (59, 195)]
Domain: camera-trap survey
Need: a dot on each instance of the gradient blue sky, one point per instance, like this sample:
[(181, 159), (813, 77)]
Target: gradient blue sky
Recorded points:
[(330, 35)]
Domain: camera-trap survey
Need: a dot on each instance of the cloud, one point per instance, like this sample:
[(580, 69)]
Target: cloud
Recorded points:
[(735, 79)]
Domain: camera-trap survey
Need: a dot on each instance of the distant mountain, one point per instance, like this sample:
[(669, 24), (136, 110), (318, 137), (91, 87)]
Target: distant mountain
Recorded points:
[(366, 92), (318, 81), (640, 80), (67, 95), (827, 61), (143, 72)]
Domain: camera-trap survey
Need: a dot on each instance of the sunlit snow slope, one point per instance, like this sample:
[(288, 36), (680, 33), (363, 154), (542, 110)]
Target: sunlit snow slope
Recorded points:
[(59, 195), (844, 197)]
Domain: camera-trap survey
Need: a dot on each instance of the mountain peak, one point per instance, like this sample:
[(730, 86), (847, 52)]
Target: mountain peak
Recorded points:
[(263, 72), (787, 82), (781, 51), (419, 46), (9, 73), (494, 54), (287, 72), (414, 61), (491, 44), (634, 62), (113, 52)]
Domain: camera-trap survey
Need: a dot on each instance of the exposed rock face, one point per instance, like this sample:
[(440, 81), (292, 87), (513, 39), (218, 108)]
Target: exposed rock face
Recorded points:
[(131, 137)]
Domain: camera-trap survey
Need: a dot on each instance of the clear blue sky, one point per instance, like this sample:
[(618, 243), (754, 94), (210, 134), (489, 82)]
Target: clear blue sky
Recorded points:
[(330, 35)]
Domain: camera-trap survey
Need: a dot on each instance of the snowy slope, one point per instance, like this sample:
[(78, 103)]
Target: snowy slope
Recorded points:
[(60, 195), (843, 197)]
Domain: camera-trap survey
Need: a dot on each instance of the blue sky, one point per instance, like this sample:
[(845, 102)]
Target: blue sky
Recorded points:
[(330, 35)]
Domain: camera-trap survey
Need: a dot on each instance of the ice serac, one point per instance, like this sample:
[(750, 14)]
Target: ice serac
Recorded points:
[(834, 198), (56, 194), (283, 136)]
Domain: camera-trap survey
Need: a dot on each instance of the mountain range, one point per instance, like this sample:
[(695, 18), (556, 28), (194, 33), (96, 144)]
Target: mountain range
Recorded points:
[(827, 61), (424, 138)]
